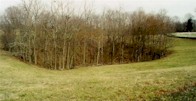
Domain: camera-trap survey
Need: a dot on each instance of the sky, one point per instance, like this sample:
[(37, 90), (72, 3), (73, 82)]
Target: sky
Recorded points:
[(178, 8)]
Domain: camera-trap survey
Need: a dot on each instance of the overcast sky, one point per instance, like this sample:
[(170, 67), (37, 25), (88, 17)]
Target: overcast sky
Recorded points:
[(174, 7)]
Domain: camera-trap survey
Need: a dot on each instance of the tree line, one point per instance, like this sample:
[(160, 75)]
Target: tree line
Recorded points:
[(187, 26), (57, 37)]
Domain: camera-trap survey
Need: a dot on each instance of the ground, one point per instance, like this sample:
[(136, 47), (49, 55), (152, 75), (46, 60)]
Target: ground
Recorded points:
[(170, 78)]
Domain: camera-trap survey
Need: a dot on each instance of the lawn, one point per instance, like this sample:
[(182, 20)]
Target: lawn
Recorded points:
[(170, 78)]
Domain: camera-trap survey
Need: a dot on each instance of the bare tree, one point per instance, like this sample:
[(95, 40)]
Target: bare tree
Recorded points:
[(57, 37)]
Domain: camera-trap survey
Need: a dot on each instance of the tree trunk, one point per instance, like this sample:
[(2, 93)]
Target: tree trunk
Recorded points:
[(113, 51), (68, 56), (98, 52), (64, 55), (29, 55), (122, 50), (84, 53)]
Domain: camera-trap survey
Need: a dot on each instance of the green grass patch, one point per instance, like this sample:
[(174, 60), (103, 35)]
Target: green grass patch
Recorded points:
[(162, 79)]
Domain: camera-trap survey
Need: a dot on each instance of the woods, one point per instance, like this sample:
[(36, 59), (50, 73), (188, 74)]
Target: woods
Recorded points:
[(58, 37)]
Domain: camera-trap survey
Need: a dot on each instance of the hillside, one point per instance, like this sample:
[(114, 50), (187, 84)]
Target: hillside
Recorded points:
[(171, 78)]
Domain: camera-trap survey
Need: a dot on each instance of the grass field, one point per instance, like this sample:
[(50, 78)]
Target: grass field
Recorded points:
[(171, 78)]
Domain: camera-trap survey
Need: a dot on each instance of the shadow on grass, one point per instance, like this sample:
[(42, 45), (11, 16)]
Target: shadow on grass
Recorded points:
[(185, 93)]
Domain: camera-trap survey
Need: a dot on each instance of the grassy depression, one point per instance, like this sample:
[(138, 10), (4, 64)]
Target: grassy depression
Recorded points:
[(170, 78)]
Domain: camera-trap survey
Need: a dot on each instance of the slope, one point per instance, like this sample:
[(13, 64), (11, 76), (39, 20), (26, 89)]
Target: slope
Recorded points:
[(173, 77)]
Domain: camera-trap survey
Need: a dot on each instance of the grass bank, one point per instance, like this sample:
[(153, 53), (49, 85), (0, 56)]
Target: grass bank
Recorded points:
[(170, 78)]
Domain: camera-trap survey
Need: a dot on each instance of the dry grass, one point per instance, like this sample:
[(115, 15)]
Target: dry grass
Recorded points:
[(155, 80)]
